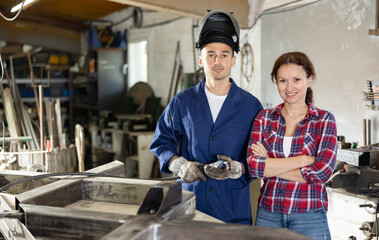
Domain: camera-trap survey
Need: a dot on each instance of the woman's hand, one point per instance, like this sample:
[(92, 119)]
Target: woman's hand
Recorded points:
[(259, 149)]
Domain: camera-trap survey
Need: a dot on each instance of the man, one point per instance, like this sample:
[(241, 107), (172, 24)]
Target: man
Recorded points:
[(210, 119)]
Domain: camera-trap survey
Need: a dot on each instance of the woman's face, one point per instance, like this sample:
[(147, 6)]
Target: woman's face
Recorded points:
[(292, 83)]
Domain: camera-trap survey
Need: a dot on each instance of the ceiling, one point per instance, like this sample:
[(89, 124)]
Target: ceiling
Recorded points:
[(58, 24), (70, 14)]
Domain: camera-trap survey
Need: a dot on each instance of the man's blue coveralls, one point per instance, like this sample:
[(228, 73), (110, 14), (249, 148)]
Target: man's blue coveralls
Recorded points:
[(187, 121)]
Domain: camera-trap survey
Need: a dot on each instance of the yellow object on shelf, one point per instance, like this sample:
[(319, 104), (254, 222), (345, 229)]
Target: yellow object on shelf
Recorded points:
[(54, 59)]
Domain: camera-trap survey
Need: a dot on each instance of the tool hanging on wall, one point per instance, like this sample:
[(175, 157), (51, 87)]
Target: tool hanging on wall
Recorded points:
[(247, 64), (366, 132)]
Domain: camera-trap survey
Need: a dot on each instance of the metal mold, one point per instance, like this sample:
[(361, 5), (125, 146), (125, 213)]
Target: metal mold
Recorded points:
[(9, 176), (73, 207), (49, 217), (188, 230)]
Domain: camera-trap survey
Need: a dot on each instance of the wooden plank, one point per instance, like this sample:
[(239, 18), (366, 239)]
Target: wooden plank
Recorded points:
[(10, 113), (49, 123), (174, 72), (80, 146), (61, 136), (25, 119), (195, 8), (21, 125), (29, 129), (53, 124)]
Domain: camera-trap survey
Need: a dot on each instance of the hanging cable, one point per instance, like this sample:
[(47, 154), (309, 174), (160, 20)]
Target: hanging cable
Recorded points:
[(18, 12), (8, 19), (162, 23), (2, 70), (122, 20)]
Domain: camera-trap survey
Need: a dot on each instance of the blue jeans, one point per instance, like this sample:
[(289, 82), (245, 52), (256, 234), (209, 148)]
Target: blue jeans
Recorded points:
[(313, 224)]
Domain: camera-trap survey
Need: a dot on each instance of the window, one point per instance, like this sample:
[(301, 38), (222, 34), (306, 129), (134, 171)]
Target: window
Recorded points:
[(137, 62)]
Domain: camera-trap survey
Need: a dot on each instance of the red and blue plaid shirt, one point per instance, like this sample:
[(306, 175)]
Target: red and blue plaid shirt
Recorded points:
[(315, 135)]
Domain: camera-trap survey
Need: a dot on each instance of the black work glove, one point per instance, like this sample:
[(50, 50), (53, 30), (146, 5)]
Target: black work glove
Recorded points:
[(188, 171), (224, 168)]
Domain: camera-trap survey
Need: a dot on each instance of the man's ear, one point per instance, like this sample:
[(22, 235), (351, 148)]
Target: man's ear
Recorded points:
[(200, 62), (234, 60)]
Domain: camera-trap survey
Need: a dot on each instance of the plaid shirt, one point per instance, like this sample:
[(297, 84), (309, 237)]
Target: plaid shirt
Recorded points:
[(315, 135)]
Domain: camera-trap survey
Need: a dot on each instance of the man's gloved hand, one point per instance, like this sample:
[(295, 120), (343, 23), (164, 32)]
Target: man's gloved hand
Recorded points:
[(188, 171), (224, 168)]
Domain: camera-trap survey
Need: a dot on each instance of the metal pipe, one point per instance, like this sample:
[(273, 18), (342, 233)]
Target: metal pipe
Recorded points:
[(364, 132), (368, 131), (41, 121)]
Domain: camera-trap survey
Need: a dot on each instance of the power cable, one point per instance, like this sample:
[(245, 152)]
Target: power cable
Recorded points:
[(8, 19), (18, 12), (2, 70), (162, 23), (122, 20)]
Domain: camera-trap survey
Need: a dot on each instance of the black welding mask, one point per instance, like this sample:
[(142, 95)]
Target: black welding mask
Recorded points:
[(219, 26)]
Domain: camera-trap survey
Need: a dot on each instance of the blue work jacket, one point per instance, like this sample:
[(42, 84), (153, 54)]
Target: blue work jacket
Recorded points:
[(187, 122)]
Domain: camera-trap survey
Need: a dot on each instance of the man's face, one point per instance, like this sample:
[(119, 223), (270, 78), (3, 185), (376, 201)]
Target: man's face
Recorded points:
[(217, 59)]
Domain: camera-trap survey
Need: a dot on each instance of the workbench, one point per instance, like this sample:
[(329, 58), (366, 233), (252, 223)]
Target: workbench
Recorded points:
[(347, 212)]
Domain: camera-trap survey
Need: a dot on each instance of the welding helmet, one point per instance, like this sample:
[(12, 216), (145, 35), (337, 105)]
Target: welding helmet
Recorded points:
[(219, 26)]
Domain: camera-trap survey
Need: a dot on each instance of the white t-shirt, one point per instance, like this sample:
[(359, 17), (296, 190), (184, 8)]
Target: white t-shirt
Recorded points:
[(215, 103), (287, 142)]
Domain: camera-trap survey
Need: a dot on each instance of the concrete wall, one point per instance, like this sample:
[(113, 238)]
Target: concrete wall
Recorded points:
[(334, 34)]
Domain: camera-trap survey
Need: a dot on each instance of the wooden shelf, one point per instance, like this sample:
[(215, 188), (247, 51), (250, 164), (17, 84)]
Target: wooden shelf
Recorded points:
[(38, 80), (134, 158), (32, 99), (84, 106)]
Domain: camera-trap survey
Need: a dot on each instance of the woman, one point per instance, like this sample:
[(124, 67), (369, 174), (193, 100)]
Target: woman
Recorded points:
[(293, 147)]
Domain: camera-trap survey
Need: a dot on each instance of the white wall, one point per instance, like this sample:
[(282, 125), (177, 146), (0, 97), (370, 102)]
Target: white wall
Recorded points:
[(334, 34)]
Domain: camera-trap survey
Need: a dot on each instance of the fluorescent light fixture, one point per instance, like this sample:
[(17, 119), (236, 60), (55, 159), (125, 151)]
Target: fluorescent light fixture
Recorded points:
[(18, 6)]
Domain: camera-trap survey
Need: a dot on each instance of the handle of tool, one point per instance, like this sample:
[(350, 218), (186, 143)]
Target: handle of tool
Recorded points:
[(364, 133), (369, 131), (80, 147)]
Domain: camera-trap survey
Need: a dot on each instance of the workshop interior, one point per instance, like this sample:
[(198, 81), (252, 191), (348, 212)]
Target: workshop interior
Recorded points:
[(84, 83)]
